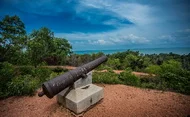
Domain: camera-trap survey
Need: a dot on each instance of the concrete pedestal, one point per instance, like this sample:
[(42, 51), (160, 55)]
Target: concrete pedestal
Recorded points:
[(80, 99), (81, 95)]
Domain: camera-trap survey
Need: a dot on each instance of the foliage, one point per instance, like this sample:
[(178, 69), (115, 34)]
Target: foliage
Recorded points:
[(22, 85), (43, 46), (39, 45), (77, 60), (12, 38), (150, 85), (23, 80), (105, 77), (25, 70), (171, 66), (129, 79), (61, 49), (104, 67), (59, 70), (42, 73), (154, 69), (7, 72), (113, 63), (53, 75), (176, 82), (171, 76), (152, 82)]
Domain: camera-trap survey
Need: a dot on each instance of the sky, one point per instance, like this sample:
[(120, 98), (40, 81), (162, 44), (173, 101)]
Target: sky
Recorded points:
[(107, 24)]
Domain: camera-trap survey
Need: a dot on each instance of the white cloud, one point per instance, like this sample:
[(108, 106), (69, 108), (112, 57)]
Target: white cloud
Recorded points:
[(118, 37), (181, 36), (100, 42), (134, 12), (166, 38), (169, 37), (185, 30)]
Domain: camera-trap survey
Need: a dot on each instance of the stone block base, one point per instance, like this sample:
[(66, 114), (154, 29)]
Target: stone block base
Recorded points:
[(80, 99)]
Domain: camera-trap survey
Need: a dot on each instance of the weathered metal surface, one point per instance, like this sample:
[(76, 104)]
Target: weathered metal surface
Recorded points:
[(56, 85)]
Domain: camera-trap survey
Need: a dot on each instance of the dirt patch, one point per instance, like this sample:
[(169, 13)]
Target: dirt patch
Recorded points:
[(63, 67), (135, 73), (116, 71), (119, 101)]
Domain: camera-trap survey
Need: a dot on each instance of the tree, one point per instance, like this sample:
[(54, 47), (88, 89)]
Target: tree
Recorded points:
[(40, 45), (12, 38), (44, 47), (154, 69), (61, 48), (114, 63), (131, 61), (171, 66)]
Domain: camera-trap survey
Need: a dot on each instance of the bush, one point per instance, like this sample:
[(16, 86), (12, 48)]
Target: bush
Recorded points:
[(59, 70), (114, 63), (153, 82), (149, 79), (171, 66), (25, 70), (129, 79), (104, 67), (6, 74), (106, 77), (149, 85), (22, 85), (176, 83), (42, 73), (154, 69), (53, 75)]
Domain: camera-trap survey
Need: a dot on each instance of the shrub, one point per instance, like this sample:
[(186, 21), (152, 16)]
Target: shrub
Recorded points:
[(42, 73), (104, 67), (148, 79), (153, 82), (22, 85), (113, 63), (171, 66), (154, 69), (6, 74), (106, 77), (25, 70), (129, 79), (175, 82), (150, 85), (53, 75), (59, 70)]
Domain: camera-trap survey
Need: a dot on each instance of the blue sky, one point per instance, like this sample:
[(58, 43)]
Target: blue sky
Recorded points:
[(107, 24)]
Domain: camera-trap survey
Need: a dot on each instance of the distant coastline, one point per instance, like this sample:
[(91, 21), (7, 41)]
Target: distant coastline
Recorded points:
[(176, 50)]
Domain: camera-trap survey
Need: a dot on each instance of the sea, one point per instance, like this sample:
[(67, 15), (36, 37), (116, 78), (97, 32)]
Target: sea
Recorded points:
[(178, 50)]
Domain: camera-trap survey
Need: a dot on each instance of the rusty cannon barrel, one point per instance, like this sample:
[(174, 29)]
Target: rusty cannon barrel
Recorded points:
[(56, 85)]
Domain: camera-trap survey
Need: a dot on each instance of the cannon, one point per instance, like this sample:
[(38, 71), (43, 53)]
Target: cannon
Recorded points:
[(52, 87)]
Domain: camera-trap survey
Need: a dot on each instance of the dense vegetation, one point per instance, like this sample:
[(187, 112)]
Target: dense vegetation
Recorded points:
[(17, 48), (23, 57)]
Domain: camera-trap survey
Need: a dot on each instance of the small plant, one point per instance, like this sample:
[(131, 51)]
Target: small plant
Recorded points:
[(149, 85), (59, 70), (176, 83), (7, 72), (22, 85), (106, 77), (42, 73), (129, 79), (53, 75), (104, 67), (153, 69), (25, 70)]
